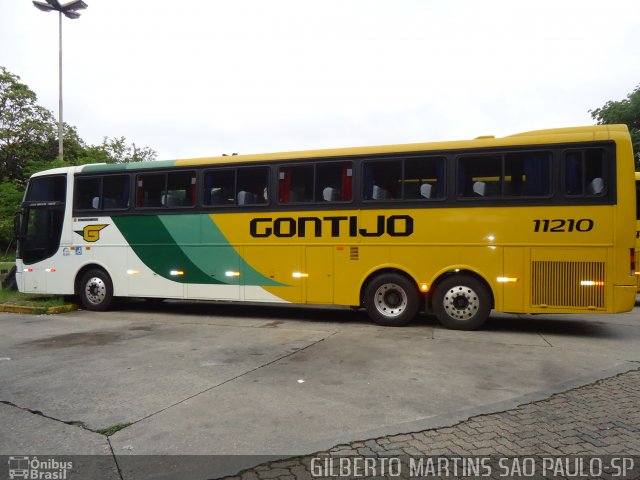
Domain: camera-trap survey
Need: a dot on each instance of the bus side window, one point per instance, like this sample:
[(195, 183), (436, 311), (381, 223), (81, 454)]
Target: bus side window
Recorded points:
[(150, 189), (334, 182), (115, 192), (254, 182), (424, 178), (219, 187), (88, 193), (584, 172), (573, 173), (527, 174), (480, 176), (181, 190), (594, 167), (295, 184), (382, 180)]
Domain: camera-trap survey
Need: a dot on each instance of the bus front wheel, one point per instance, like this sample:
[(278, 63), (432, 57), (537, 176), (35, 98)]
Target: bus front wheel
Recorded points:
[(96, 290), (461, 302), (391, 300)]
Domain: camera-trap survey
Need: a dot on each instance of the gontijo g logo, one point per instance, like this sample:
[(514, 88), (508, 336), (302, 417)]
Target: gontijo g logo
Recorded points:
[(91, 233)]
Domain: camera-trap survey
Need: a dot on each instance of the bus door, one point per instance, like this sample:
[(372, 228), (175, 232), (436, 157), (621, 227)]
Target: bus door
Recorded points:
[(39, 241), (39, 230), (319, 266)]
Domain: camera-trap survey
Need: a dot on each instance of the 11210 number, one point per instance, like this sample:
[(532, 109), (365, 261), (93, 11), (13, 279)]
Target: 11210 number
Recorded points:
[(562, 225)]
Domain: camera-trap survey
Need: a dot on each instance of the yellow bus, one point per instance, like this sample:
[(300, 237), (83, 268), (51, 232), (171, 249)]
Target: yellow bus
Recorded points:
[(539, 222), (638, 228)]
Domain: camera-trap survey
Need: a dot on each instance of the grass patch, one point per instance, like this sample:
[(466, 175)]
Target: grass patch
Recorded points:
[(12, 297), (113, 429), (7, 265)]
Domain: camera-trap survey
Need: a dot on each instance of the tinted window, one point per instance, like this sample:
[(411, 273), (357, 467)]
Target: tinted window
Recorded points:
[(295, 184), (526, 174), (584, 172), (220, 187), (166, 190), (409, 179), (181, 190), (424, 178), (47, 189), (150, 188), (252, 186), (241, 186), (102, 193), (115, 191), (42, 230), (88, 193), (334, 182), (382, 180), (479, 176)]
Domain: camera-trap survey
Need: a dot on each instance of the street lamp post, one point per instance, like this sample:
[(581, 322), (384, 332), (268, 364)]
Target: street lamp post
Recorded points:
[(69, 11)]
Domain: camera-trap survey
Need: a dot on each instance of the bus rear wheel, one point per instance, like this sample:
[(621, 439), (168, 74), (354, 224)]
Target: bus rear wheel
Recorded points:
[(391, 300), (461, 302), (96, 290)]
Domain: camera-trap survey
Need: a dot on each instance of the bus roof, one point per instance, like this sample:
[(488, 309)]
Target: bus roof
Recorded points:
[(538, 137)]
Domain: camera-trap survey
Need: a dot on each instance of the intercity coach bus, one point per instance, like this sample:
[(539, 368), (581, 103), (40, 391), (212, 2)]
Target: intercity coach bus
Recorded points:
[(539, 222), (638, 228)]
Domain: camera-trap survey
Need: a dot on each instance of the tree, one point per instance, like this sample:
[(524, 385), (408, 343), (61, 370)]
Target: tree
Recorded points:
[(119, 152), (625, 111), (29, 144), (10, 197), (25, 126), (28, 137)]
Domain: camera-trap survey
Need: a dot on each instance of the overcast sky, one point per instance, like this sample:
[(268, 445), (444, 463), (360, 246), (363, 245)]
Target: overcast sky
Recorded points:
[(206, 77)]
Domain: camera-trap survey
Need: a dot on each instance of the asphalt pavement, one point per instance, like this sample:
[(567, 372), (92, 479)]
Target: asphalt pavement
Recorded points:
[(254, 384)]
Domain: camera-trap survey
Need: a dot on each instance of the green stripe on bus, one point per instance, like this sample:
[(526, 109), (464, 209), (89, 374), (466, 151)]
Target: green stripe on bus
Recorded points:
[(206, 246), (190, 243), (155, 246), (123, 167)]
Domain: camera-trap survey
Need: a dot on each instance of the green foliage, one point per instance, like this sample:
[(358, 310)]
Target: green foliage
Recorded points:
[(113, 429), (29, 144), (10, 198), (11, 297), (625, 111), (25, 127), (118, 151)]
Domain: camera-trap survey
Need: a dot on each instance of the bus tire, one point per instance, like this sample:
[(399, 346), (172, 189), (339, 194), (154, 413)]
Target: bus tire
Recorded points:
[(391, 300), (96, 290), (461, 302)]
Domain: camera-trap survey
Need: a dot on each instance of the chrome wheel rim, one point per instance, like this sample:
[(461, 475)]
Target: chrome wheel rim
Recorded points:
[(95, 290), (461, 302), (390, 299)]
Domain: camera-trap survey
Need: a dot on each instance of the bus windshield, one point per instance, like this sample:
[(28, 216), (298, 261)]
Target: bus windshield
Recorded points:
[(42, 218)]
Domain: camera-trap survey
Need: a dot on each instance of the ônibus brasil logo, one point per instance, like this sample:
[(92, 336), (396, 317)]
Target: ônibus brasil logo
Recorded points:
[(36, 469)]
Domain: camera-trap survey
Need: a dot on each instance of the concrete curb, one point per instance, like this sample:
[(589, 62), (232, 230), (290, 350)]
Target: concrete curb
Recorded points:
[(8, 308)]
